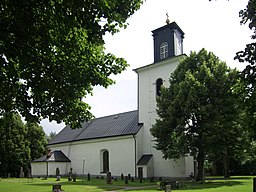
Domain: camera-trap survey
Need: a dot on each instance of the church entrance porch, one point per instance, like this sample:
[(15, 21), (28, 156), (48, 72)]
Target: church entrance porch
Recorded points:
[(145, 167)]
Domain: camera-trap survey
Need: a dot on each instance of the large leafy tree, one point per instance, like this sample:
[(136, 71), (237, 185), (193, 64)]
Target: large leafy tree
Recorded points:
[(52, 54), (37, 140), (198, 110), (14, 146), (248, 55)]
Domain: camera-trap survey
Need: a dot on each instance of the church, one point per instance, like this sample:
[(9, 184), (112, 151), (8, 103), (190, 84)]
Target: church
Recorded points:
[(122, 143)]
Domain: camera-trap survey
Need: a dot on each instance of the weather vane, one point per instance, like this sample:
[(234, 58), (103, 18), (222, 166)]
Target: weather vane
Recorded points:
[(167, 19)]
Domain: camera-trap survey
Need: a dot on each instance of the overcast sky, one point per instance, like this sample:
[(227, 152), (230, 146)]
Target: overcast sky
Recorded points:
[(213, 25)]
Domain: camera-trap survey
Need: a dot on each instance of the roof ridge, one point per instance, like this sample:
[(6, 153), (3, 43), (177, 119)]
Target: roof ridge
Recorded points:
[(113, 114)]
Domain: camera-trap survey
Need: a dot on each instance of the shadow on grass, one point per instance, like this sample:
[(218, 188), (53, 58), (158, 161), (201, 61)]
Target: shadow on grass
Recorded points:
[(210, 184), (215, 182)]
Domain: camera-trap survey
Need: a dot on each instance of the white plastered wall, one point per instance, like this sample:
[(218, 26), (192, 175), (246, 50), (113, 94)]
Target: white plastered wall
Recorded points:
[(147, 77), (38, 168), (86, 154)]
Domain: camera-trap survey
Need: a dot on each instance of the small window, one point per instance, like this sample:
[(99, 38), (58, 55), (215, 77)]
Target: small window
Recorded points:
[(163, 50), (159, 83)]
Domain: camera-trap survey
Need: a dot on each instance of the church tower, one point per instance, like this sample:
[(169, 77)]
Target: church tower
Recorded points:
[(168, 50), (168, 41)]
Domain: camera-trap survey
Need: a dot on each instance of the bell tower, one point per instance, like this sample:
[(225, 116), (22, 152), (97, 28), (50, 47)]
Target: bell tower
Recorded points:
[(168, 41)]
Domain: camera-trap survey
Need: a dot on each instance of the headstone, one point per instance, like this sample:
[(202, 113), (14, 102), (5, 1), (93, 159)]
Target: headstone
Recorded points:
[(21, 172), (167, 188), (88, 177), (9, 175), (56, 188), (58, 178), (126, 180), (74, 177), (29, 174), (140, 179), (69, 176), (132, 179), (122, 176), (129, 176), (109, 181)]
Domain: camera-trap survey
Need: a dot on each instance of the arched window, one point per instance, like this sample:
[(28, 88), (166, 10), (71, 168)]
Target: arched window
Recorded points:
[(159, 83), (163, 50), (104, 167), (105, 161)]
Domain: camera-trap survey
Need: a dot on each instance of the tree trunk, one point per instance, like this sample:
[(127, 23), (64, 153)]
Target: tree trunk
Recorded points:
[(226, 164), (200, 164)]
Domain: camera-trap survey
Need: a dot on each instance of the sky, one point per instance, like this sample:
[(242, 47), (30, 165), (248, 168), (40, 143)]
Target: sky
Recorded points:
[(213, 25)]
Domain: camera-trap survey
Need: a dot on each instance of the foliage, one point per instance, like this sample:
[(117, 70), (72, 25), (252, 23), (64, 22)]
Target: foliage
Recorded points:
[(14, 146), (37, 140), (51, 136), (19, 144), (197, 113), (52, 54), (248, 16)]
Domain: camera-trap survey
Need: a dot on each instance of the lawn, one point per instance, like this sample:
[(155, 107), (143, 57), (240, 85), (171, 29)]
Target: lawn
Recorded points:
[(235, 184)]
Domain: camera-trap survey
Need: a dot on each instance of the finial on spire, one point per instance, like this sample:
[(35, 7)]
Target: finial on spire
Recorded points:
[(167, 19)]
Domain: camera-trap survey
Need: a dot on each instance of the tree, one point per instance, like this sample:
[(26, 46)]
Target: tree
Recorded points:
[(37, 140), (14, 147), (52, 54), (197, 108), (51, 136), (249, 55)]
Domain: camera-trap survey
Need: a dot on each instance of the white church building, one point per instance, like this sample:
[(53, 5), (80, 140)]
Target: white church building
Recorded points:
[(122, 143)]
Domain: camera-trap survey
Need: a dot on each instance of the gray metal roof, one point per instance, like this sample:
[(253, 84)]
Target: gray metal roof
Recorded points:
[(144, 159), (55, 156), (110, 126)]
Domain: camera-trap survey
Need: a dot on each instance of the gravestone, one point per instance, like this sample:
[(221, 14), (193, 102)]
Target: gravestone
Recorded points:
[(29, 174), (88, 177), (167, 188), (58, 178), (125, 180), (74, 177), (21, 172), (129, 176), (69, 176), (109, 181), (56, 188), (122, 176)]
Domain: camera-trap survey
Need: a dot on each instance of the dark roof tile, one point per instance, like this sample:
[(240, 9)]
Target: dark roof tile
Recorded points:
[(109, 126), (144, 159), (55, 156)]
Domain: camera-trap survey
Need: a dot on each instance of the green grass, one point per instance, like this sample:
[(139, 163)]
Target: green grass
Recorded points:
[(235, 184)]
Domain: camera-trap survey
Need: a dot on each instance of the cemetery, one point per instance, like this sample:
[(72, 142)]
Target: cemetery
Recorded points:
[(88, 183), (100, 184)]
